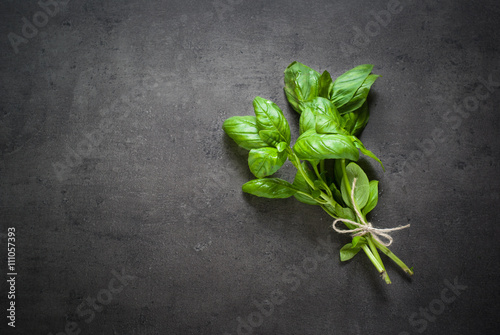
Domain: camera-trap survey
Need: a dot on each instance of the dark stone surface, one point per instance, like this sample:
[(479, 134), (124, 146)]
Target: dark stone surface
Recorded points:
[(139, 91)]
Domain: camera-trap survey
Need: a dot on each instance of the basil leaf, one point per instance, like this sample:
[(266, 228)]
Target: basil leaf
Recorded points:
[(362, 119), (349, 121), (355, 122), (348, 251), (270, 117), (337, 195), (360, 96), (325, 85), (271, 137), (362, 188), (365, 151), (265, 161), (359, 123), (312, 146), (301, 84), (372, 198), (307, 120), (358, 241), (346, 213), (308, 133), (318, 184), (315, 194), (281, 146), (348, 83), (274, 188), (300, 183), (327, 117), (243, 130)]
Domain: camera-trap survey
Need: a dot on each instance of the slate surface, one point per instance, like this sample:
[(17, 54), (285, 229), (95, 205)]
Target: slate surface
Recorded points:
[(125, 193)]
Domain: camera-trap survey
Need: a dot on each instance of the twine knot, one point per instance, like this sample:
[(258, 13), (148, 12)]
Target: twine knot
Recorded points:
[(365, 227)]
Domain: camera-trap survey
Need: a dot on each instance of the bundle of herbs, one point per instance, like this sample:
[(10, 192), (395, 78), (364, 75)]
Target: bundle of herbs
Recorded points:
[(332, 116)]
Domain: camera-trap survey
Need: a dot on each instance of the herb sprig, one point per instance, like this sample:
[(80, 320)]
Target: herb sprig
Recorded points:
[(332, 116)]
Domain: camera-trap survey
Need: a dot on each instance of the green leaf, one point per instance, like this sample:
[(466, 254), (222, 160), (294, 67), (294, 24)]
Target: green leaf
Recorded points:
[(271, 118), (265, 161), (315, 194), (318, 184), (346, 213), (300, 183), (372, 198), (346, 85), (301, 84), (362, 189), (363, 116), (307, 120), (365, 151), (271, 137), (312, 146), (274, 188), (360, 96), (282, 146), (348, 251), (358, 241), (243, 130), (325, 85), (337, 195), (348, 122), (355, 122), (328, 119)]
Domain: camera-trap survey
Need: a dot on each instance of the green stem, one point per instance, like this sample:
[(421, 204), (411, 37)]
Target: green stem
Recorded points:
[(322, 202), (380, 268), (330, 201), (344, 176), (389, 253), (375, 262), (373, 248), (296, 162), (371, 241), (323, 183)]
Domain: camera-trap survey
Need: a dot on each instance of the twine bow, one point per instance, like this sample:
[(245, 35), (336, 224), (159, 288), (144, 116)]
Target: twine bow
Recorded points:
[(364, 227)]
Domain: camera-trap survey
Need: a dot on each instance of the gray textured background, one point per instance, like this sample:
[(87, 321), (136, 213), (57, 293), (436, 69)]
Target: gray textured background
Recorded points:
[(113, 160)]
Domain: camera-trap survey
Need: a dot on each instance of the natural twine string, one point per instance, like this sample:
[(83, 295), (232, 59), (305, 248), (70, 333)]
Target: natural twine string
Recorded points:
[(365, 227)]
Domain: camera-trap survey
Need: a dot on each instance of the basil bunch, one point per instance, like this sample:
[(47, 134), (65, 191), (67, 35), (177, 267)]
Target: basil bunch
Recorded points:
[(332, 115)]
